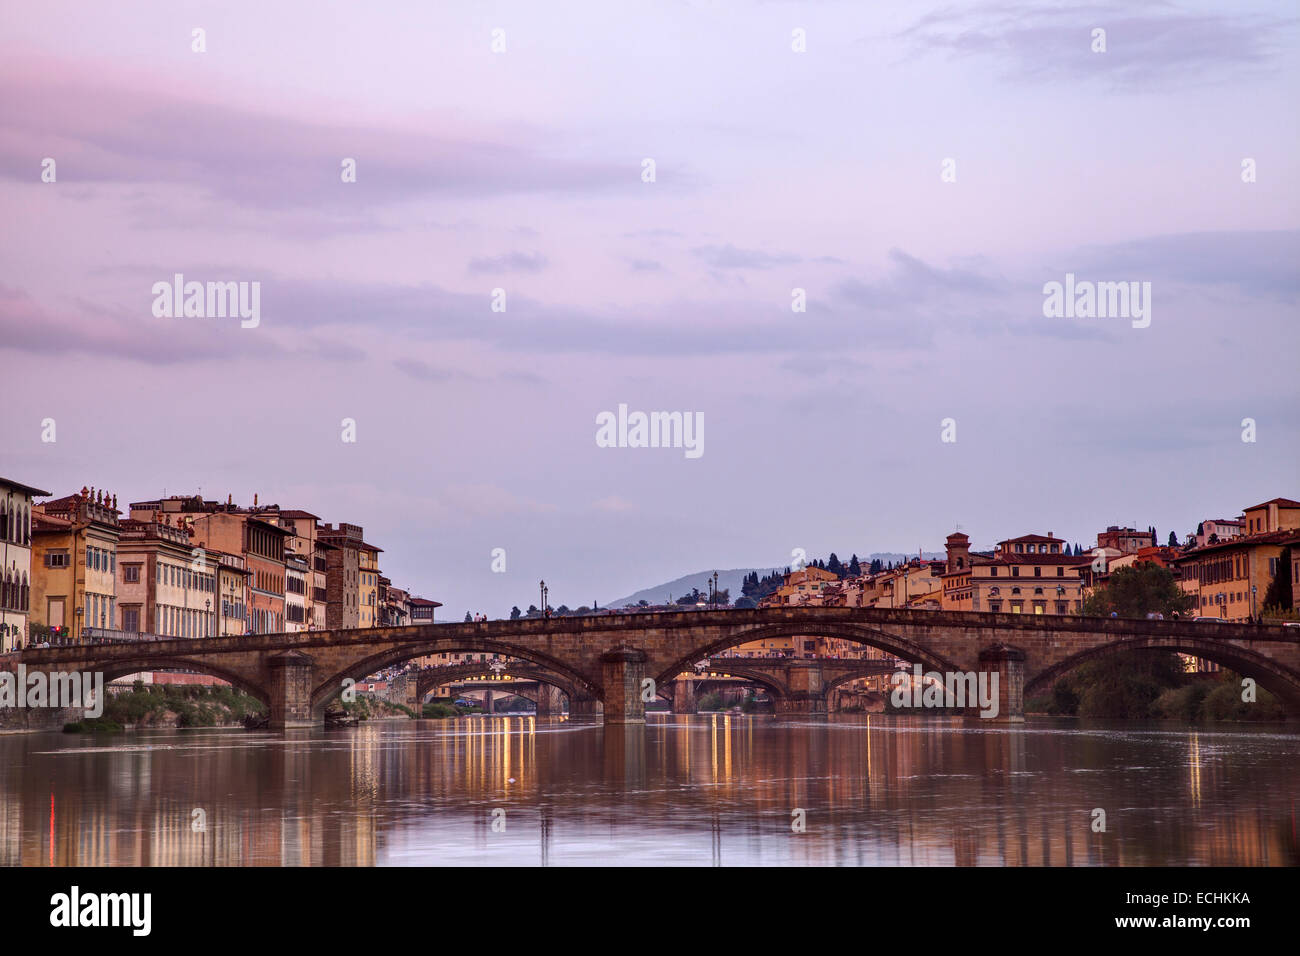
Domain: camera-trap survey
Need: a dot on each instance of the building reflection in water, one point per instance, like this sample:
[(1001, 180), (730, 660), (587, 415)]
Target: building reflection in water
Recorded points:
[(710, 789)]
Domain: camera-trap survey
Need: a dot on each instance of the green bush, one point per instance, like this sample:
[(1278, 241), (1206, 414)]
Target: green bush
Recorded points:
[(1183, 703)]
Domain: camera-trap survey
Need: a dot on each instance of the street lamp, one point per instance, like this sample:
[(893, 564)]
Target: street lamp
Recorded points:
[(81, 612), (207, 617)]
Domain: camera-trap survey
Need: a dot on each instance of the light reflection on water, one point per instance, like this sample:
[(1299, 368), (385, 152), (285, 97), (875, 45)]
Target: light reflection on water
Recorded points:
[(709, 789)]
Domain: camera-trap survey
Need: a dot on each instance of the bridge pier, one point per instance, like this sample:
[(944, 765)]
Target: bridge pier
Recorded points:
[(805, 705), (548, 700), (290, 690), (623, 670), (488, 704), (684, 697), (807, 689), (584, 708), (1009, 664)]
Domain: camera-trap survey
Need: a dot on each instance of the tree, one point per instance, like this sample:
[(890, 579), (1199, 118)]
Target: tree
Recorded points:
[(467, 617), (1279, 594), (855, 569), (692, 598), (1173, 540), (1139, 590), (515, 613), (875, 566)]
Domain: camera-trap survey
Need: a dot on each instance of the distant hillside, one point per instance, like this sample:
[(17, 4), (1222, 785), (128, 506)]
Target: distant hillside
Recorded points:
[(732, 580)]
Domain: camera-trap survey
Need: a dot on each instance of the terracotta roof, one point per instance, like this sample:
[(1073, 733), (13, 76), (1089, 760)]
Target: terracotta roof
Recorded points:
[(44, 522), (1281, 502), (1065, 559), (1288, 536), (27, 489)]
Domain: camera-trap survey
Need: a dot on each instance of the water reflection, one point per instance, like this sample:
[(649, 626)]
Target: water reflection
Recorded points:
[(712, 789)]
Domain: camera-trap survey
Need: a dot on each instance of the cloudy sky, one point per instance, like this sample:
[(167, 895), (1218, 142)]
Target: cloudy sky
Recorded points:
[(522, 170)]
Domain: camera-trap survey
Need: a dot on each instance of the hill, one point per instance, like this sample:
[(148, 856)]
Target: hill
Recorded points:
[(730, 580)]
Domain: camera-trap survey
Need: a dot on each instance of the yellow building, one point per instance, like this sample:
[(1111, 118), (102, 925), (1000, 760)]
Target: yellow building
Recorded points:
[(74, 558), (1032, 574), (1229, 579), (368, 586), (801, 587)]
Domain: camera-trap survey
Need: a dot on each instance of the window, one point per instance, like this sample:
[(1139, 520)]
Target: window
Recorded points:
[(56, 559), (1038, 572), (131, 575), (1060, 572)]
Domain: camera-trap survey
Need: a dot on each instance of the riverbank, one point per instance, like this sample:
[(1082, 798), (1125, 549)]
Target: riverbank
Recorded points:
[(179, 706)]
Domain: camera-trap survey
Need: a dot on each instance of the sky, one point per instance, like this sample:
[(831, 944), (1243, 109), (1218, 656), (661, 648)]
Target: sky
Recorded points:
[(920, 171)]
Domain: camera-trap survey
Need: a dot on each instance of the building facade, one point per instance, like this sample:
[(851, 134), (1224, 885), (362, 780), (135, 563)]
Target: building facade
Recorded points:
[(16, 572), (74, 553), (342, 577), (1031, 574)]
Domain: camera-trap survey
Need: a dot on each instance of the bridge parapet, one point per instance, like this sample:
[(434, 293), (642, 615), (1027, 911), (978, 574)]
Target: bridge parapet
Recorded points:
[(605, 658)]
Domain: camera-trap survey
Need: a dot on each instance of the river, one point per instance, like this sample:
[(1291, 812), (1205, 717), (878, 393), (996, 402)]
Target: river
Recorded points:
[(698, 790)]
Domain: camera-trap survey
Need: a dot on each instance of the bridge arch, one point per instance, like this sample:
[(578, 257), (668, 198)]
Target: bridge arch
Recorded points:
[(433, 677), (119, 669), (774, 686), (1274, 677), (329, 687), (871, 636), (868, 669)]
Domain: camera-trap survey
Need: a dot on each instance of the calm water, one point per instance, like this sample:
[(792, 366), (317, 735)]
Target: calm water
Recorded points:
[(682, 790)]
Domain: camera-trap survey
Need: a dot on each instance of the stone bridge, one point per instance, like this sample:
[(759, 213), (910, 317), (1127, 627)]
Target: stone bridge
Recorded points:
[(609, 658), (796, 685)]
